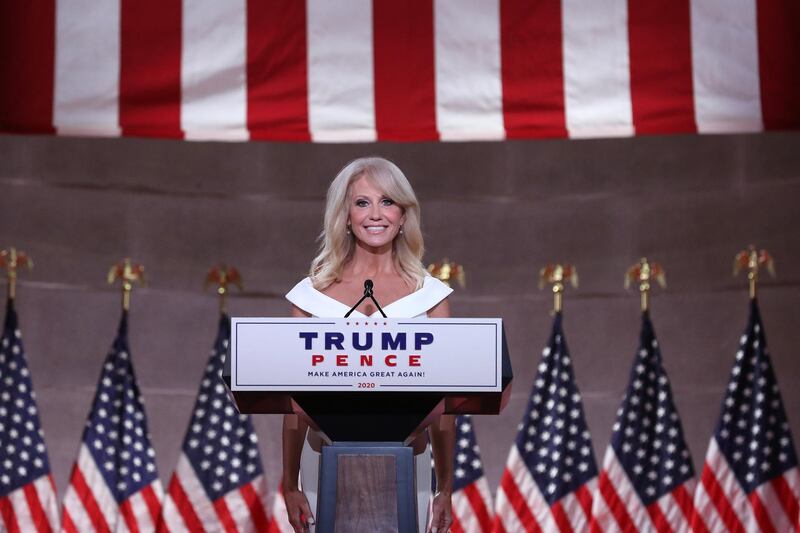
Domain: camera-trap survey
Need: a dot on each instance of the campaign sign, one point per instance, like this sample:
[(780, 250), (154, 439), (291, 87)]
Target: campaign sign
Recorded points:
[(322, 354)]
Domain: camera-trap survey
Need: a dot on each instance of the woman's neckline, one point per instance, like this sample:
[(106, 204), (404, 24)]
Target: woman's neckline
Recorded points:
[(384, 307)]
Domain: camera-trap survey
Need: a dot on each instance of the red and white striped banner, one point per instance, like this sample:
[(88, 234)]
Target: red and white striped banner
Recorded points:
[(364, 70)]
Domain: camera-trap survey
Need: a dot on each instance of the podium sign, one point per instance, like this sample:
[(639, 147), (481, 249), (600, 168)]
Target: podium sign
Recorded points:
[(369, 355)]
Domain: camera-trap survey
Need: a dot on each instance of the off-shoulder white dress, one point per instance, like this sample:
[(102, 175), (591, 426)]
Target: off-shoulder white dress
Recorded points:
[(415, 305)]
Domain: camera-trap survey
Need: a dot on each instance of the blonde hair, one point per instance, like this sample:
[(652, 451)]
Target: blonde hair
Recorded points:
[(336, 246)]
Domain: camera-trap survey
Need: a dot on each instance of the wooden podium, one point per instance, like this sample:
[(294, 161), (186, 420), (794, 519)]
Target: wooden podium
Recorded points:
[(367, 477)]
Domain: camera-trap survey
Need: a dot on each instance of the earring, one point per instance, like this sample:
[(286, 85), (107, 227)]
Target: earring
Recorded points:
[(348, 229), (401, 230)]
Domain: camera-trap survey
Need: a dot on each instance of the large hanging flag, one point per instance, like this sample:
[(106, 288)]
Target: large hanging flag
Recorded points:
[(218, 484), (647, 481), (371, 70), (114, 482), (27, 494), (472, 499), (750, 479), (550, 473)]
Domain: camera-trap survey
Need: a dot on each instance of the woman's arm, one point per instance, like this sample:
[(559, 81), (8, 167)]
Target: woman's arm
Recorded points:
[(443, 442), (294, 432)]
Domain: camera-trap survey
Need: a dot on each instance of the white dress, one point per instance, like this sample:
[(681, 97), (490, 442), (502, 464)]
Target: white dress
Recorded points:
[(415, 305)]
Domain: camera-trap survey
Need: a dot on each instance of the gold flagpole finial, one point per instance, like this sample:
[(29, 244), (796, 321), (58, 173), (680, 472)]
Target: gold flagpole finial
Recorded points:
[(448, 272), (751, 260), (644, 272), (12, 259), (128, 273), (222, 276), (556, 275)]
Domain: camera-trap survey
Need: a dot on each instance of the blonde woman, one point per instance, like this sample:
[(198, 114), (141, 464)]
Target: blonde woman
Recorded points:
[(371, 231)]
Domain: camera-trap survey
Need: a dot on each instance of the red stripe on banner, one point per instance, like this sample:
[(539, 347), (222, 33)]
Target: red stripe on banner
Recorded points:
[(404, 70), (257, 514), (150, 68), (497, 526), (478, 506), (561, 518), (614, 503), (178, 495), (126, 510), (86, 497), (720, 500), (224, 515), (585, 499), (67, 525), (518, 503), (779, 62), (277, 78), (662, 97), (657, 516), (532, 69), (7, 513), (27, 66), (788, 501), (761, 513), (684, 501), (37, 511), (455, 527), (151, 500)]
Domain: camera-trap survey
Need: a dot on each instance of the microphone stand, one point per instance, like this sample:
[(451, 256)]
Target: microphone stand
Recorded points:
[(367, 294)]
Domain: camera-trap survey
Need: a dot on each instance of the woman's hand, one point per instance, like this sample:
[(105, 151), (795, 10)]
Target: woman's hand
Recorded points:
[(441, 513), (299, 512)]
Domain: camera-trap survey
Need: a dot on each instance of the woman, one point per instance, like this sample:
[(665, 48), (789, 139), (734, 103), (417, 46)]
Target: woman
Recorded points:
[(371, 231)]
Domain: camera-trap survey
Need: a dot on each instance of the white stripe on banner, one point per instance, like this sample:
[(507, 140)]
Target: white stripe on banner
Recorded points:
[(772, 504), (86, 91), (47, 497), (596, 68), (469, 101), (141, 512), (213, 76), (505, 510), (237, 506), (341, 89), (171, 516), (727, 96)]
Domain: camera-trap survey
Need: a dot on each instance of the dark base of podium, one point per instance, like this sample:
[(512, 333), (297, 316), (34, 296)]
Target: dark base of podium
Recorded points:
[(367, 486)]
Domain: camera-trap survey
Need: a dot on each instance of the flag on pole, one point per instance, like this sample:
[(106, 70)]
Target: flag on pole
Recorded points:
[(550, 473), (27, 494), (114, 483), (647, 480), (472, 499), (750, 479), (218, 484)]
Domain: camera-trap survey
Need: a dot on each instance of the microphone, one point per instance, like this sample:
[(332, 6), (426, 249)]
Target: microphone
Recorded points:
[(368, 286)]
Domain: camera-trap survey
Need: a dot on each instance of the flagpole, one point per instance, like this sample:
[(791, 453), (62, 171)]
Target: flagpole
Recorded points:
[(644, 272), (556, 275), (752, 260), (222, 276), (12, 259), (128, 273)]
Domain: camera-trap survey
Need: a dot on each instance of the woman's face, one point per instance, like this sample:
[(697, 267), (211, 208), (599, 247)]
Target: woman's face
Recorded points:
[(374, 218)]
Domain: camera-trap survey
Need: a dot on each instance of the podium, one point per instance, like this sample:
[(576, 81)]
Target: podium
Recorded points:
[(369, 387)]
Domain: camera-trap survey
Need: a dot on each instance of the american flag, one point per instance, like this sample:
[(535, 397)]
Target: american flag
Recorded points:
[(472, 499), (550, 473), (647, 480), (27, 493), (114, 483), (218, 484), (750, 479), (377, 70)]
